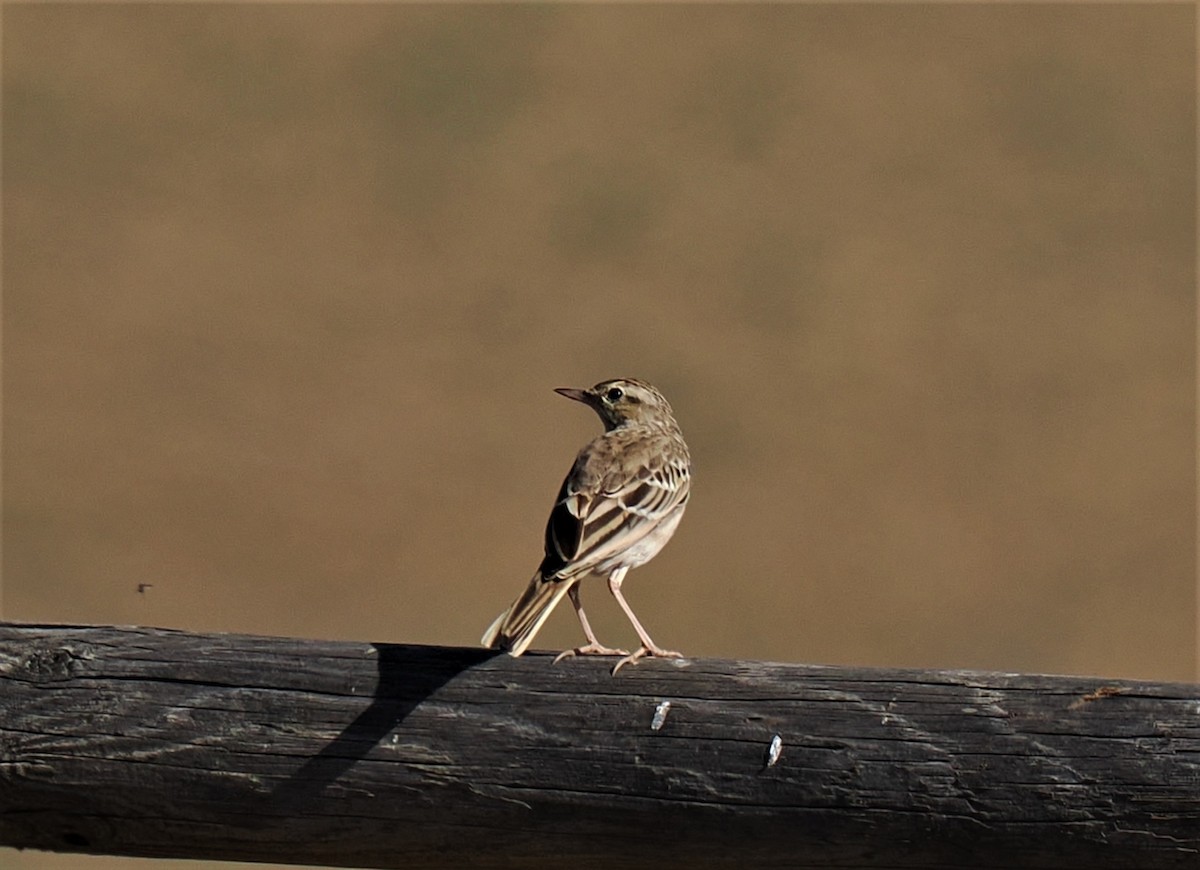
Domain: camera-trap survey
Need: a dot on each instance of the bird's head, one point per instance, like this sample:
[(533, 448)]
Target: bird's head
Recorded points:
[(622, 401)]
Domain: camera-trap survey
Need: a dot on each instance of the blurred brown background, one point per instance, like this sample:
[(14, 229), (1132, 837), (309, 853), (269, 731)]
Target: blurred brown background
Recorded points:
[(286, 290)]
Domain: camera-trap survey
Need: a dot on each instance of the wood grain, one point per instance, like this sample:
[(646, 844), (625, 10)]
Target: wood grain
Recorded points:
[(149, 742)]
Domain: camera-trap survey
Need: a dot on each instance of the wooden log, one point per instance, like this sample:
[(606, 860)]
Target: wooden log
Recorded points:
[(141, 741)]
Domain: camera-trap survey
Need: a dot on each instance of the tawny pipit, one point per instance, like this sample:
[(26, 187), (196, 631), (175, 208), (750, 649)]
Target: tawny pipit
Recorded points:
[(618, 506)]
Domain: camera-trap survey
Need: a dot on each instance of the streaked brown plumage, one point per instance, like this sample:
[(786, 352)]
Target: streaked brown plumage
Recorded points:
[(618, 506)]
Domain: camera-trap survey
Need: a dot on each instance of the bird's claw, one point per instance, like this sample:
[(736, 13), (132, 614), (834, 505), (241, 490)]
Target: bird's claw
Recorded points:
[(591, 649), (641, 653)]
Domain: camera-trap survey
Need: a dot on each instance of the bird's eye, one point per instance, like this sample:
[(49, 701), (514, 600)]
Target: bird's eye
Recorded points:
[(615, 394)]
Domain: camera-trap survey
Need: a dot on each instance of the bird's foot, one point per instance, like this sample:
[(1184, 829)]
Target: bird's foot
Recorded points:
[(591, 649), (642, 652)]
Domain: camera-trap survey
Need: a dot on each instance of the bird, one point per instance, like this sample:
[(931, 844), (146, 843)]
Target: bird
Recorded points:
[(618, 506)]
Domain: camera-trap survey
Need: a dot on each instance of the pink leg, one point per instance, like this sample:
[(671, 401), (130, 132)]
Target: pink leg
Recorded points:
[(649, 647), (593, 647)]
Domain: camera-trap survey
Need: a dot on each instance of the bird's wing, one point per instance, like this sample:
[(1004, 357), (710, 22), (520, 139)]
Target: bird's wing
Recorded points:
[(612, 498), (564, 529)]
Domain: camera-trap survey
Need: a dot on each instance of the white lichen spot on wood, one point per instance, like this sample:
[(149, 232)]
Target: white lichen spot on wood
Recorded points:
[(660, 715), (774, 750)]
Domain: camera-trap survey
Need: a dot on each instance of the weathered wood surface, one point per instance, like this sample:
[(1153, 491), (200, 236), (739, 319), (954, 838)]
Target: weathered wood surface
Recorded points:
[(141, 741)]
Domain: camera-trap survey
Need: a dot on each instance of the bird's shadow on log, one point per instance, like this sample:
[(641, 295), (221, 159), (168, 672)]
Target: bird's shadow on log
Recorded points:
[(407, 676)]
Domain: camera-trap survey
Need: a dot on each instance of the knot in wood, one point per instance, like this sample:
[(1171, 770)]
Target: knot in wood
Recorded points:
[(50, 664)]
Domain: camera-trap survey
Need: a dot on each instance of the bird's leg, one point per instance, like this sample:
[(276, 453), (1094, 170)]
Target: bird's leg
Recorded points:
[(593, 647), (648, 647)]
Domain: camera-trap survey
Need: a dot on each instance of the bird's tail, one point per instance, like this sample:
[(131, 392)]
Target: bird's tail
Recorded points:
[(514, 629)]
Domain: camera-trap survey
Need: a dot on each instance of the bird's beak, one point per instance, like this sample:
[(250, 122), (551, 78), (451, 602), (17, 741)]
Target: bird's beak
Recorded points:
[(572, 393)]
